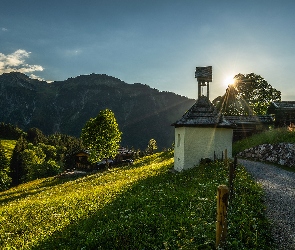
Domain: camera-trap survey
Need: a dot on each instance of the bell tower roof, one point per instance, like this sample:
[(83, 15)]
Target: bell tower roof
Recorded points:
[(204, 76)]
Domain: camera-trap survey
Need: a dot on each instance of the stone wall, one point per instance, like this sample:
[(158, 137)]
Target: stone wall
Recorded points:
[(282, 154)]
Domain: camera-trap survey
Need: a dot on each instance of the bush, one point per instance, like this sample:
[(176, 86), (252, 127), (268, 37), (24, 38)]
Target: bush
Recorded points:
[(41, 170)]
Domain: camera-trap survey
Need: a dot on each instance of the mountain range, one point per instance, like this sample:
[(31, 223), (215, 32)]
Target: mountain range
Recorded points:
[(142, 112)]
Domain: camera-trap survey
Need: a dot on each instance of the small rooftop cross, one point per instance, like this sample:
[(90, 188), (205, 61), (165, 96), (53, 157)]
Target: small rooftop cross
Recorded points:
[(204, 76)]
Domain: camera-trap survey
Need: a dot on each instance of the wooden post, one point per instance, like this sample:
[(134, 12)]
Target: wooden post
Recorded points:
[(232, 175), (231, 180), (221, 224), (235, 162), (225, 157)]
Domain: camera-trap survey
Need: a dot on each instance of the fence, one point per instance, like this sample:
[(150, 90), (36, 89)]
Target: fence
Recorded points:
[(224, 194)]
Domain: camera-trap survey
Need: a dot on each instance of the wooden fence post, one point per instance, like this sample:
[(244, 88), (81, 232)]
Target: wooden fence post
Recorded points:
[(221, 224), (235, 162), (225, 155), (231, 180), (232, 175)]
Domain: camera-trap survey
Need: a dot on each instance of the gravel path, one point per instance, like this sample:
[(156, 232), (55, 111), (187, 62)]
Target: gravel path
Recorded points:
[(279, 186)]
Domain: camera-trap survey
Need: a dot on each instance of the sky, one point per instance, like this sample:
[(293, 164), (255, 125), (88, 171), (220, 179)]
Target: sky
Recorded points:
[(158, 43)]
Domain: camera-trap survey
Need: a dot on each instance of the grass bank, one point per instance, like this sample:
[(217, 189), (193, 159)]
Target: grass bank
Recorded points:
[(144, 206), (273, 136)]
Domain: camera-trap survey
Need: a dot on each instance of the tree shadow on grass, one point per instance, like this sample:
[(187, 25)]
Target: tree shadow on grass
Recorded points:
[(149, 215)]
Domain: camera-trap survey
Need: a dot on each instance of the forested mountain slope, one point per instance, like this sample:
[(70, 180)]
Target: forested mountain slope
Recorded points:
[(64, 106)]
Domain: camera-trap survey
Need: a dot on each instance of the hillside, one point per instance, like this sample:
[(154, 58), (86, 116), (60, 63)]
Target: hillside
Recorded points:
[(64, 106), (106, 210)]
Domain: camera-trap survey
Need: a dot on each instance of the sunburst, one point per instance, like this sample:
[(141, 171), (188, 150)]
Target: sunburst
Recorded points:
[(229, 80)]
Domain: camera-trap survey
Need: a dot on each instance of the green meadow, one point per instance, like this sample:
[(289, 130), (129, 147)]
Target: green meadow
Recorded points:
[(143, 206)]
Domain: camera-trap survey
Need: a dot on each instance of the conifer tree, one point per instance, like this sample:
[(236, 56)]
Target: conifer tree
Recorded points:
[(16, 163)]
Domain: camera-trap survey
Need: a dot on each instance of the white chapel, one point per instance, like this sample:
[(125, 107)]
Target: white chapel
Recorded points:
[(202, 132)]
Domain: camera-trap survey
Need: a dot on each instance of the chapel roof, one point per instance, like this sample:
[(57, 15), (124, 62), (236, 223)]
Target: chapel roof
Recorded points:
[(250, 119), (203, 114), (285, 105)]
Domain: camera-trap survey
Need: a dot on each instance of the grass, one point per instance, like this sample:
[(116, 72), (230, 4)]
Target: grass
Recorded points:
[(144, 206), (248, 226), (273, 136), (8, 146)]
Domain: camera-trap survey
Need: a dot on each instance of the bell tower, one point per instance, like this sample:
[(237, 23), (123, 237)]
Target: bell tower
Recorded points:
[(204, 76)]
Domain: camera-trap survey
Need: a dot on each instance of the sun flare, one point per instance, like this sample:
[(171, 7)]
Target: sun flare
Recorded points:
[(228, 80)]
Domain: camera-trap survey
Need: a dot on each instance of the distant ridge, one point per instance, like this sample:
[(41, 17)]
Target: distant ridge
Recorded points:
[(64, 106)]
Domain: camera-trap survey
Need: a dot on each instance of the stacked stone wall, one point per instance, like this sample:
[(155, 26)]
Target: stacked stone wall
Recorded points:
[(282, 154)]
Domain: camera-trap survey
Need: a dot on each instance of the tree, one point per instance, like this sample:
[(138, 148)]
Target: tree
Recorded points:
[(66, 147), (35, 136), (49, 151), (5, 180), (250, 94), (101, 136), (9, 131), (39, 162), (152, 145), (32, 158), (16, 162)]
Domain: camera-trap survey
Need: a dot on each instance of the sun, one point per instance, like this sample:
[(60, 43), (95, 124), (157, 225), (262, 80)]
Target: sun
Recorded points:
[(229, 80)]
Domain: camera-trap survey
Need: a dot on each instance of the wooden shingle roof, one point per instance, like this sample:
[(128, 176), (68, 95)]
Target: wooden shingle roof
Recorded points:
[(250, 119), (202, 114), (284, 105)]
